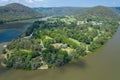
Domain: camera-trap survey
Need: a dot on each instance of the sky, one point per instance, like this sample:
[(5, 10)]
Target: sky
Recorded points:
[(61, 3)]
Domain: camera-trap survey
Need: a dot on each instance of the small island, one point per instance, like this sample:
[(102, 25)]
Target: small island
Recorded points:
[(58, 40)]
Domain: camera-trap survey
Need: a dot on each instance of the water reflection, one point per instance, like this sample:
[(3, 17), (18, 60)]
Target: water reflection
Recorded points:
[(79, 64)]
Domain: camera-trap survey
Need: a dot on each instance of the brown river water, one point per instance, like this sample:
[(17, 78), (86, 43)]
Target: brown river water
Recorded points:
[(103, 65)]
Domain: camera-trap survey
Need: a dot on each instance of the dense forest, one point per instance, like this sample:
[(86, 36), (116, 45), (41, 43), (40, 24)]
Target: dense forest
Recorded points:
[(59, 40)]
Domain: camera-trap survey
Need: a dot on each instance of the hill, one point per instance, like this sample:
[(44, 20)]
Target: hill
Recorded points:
[(16, 11), (100, 11)]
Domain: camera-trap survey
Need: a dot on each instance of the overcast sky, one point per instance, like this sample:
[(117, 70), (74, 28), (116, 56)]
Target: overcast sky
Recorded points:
[(58, 3)]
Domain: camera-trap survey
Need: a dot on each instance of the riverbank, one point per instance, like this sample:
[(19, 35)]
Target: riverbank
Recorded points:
[(21, 21), (104, 65)]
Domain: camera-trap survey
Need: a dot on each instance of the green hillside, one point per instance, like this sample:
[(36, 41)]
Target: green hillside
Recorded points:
[(100, 11), (15, 11)]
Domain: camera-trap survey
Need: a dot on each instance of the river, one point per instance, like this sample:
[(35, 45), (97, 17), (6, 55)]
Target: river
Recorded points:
[(103, 65)]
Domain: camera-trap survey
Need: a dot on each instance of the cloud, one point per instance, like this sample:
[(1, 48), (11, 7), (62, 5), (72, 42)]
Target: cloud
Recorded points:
[(34, 1), (4, 0)]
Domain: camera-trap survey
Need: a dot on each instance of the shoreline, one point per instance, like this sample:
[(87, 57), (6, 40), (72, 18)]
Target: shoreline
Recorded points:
[(21, 21), (77, 60), (1, 47)]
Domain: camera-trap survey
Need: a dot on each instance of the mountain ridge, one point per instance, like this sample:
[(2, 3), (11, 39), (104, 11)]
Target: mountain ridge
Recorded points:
[(102, 11)]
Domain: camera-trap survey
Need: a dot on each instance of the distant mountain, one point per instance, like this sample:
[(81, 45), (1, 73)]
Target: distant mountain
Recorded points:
[(116, 9), (16, 11), (48, 11), (99, 11)]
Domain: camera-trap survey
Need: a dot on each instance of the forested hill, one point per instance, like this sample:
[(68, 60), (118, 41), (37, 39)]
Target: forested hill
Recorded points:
[(100, 11), (16, 11)]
